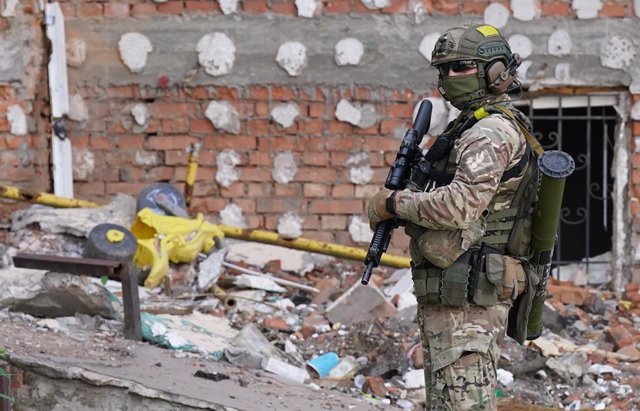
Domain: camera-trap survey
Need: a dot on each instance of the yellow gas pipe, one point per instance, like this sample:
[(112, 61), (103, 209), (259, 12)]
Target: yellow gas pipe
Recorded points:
[(268, 237)]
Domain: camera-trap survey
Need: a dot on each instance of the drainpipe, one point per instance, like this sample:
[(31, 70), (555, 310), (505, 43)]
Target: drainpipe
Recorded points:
[(59, 96)]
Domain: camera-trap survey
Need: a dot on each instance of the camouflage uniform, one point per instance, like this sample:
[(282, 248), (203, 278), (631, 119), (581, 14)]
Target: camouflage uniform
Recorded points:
[(462, 345), (461, 340)]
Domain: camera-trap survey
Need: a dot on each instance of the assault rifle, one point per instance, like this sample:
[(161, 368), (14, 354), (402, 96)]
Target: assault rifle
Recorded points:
[(409, 156)]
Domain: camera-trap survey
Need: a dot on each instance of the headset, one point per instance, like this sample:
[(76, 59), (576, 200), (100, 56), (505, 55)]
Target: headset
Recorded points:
[(500, 77)]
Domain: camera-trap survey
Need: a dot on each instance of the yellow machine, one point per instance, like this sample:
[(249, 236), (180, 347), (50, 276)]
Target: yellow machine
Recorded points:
[(166, 238)]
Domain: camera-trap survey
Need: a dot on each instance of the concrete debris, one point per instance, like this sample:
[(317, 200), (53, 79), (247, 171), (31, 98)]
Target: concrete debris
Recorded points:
[(282, 369), (586, 9), (504, 377), (146, 158), (292, 57), (307, 8), (359, 115), (209, 269), (525, 10), (348, 52), (62, 295), (427, 44), (521, 44), (290, 225), (223, 116), (359, 165), (17, 120), (78, 110), (134, 48), (227, 173), (232, 215), (76, 52), (284, 167), (496, 15), (216, 54), (357, 304), (285, 114), (76, 221), (587, 355), (228, 6), (419, 11), (559, 43), (258, 283), (617, 52)]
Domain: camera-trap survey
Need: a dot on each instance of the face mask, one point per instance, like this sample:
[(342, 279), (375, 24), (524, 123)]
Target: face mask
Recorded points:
[(458, 88)]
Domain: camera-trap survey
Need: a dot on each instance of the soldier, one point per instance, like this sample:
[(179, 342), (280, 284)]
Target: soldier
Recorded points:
[(470, 225)]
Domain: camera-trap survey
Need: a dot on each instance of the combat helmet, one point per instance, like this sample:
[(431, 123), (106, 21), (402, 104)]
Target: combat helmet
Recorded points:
[(470, 46)]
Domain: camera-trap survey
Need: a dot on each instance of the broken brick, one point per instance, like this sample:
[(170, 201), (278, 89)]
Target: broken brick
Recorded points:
[(569, 294), (314, 323), (620, 336), (375, 385), (276, 323)]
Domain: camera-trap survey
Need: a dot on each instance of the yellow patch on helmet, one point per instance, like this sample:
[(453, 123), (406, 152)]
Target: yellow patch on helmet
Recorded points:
[(488, 31)]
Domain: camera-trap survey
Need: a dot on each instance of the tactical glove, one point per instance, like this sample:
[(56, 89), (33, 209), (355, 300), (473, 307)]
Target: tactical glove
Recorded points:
[(377, 209)]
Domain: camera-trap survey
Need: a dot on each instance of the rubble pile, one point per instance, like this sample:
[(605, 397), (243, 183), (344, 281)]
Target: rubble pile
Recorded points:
[(307, 319)]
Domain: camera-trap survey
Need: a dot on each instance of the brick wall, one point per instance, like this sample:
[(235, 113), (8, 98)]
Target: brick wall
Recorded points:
[(126, 159)]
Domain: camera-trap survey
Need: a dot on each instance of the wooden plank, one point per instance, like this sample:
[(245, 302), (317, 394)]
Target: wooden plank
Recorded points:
[(86, 266), (131, 301)]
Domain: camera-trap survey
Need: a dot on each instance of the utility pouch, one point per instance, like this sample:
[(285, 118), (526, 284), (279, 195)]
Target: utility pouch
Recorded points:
[(433, 285), (486, 277), (514, 281)]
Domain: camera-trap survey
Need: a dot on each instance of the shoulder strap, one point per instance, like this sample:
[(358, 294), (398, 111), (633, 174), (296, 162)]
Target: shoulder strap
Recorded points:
[(535, 145)]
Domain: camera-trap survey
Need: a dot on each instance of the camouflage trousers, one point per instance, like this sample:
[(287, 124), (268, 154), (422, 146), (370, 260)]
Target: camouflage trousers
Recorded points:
[(461, 348)]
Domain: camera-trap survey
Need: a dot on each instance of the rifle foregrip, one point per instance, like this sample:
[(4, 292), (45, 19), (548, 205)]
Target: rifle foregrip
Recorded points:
[(379, 243)]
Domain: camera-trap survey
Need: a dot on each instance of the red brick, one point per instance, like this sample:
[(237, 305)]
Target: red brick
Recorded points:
[(312, 127), (316, 110), (314, 323), (343, 191), (338, 6), (127, 92), (283, 7), (474, 7), (233, 191), (69, 11), (259, 93), (116, 9), (375, 385), (568, 294), (259, 190), (611, 9), (215, 204), (262, 109), (282, 93), (316, 175), (278, 205), (90, 10), (339, 127), (175, 126), (199, 93), (201, 126), (315, 190), (276, 323), (171, 7), (204, 7), (132, 189), (100, 142), (287, 190), (315, 158), (359, 7), (446, 6), (620, 336), (336, 207), (226, 93), (258, 127), (217, 142), (170, 142), (143, 10), (556, 10), (249, 174)]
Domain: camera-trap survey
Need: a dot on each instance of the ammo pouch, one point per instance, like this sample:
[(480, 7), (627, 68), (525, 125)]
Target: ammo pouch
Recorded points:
[(495, 277), (449, 286)]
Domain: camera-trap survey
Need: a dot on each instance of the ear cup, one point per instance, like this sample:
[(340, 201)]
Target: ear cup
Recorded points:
[(494, 69), (498, 77)]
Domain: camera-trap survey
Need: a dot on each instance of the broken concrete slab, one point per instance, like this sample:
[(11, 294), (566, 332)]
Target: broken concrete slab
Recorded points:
[(257, 254), (356, 304), (210, 269), (63, 295), (76, 221)]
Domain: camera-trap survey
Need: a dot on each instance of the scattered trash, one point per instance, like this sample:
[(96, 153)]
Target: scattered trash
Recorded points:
[(322, 365), (214, 376)]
